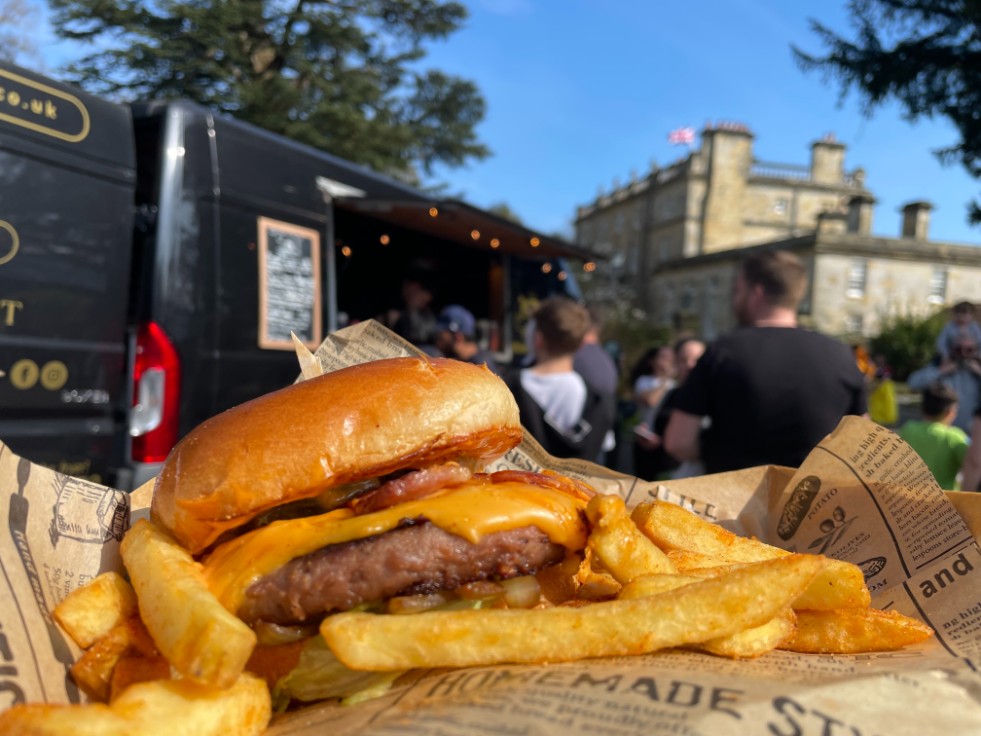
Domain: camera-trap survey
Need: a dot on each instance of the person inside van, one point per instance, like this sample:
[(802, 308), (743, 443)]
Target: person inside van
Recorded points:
[(456, 337), (416, 321)]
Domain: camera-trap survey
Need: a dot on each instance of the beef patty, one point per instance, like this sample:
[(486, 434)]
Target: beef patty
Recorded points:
[(413, 559)]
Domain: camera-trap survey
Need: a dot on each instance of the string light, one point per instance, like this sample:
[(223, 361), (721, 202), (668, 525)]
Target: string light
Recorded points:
[(495, 243), (546, 268), (346, 251), (535, 242), (433, 212), (589, 266), (384, 240), (475, 234)]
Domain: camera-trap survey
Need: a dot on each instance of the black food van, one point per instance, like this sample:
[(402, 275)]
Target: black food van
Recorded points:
[(154, 259)]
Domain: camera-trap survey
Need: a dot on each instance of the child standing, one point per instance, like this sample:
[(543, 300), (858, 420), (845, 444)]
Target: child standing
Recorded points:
[(941, 446)]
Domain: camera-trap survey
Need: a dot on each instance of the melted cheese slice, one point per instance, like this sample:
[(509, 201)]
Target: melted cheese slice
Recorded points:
[(469, 511)]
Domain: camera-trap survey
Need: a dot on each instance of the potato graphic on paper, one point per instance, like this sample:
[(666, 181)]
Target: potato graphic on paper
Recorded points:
[(797, 506)]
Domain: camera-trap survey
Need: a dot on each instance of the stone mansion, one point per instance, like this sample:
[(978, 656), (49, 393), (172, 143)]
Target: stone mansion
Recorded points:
[(673, 239)]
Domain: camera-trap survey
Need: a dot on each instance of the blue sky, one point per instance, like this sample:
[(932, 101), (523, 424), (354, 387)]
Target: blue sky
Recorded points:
[(580, 93)]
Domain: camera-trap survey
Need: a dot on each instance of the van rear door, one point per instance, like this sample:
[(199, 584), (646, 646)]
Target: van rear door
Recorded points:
[(67, 177)]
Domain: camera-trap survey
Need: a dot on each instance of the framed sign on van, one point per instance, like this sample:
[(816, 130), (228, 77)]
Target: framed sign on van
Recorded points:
[(289, 285)]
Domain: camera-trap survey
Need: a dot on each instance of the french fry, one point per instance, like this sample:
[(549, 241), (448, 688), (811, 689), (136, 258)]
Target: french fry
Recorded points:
[(839, 585), (90, 612), (93, 670), (747, 644), (694, 613), (619, 544), (592, 581), (692, 542), (198, 636), (648, 585), (149, 709), (133, 668), (851, 631), (756, 641)]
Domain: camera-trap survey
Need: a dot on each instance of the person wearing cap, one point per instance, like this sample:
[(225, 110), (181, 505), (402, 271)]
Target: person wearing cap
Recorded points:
[(456, 337)]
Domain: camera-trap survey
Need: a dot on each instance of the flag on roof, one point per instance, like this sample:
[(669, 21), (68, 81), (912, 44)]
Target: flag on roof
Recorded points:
[(682, 136)]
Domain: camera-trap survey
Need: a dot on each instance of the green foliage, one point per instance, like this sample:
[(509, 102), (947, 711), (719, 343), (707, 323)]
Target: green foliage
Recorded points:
[(17, 43), (923, 53), (634, 334), (344, 76), (908, 342), (503, 209)]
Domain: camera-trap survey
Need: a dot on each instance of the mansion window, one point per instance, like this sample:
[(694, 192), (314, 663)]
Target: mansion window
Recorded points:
[(858, 272), (938, 285), (688, 298), (854, 323)]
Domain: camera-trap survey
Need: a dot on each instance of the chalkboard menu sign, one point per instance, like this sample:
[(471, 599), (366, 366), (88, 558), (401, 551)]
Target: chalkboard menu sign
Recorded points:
[(289, 284)]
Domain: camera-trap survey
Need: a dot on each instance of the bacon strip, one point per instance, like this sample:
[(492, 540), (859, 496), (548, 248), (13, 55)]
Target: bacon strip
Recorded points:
[(412, 486)]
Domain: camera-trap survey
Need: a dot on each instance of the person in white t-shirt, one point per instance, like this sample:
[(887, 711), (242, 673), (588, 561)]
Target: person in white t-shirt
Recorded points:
[(567, 418)]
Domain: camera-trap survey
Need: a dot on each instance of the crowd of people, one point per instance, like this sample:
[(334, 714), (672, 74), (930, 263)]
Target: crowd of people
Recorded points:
[(948, 433), (765, 393)]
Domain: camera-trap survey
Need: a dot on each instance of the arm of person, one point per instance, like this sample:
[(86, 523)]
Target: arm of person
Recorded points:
[(681, 435), (971, 468)]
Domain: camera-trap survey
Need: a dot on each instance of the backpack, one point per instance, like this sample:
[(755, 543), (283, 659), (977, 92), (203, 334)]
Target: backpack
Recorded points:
[(584, 440)]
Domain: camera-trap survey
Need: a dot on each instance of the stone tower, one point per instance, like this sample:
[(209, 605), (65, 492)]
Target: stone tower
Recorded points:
[(828, 161), (728, 151)]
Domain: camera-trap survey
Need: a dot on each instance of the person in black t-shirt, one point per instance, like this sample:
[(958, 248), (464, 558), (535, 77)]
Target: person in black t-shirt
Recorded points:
[(771, 389)]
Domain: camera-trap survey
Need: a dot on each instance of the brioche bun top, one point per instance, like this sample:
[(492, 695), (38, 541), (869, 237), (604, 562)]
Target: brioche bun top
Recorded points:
[(354, 424)]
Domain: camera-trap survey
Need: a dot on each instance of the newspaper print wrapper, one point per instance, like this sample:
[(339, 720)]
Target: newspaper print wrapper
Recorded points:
[(862, 495)]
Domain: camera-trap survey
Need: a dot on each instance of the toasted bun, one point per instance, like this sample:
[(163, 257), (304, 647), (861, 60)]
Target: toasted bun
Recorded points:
[(353, 424)]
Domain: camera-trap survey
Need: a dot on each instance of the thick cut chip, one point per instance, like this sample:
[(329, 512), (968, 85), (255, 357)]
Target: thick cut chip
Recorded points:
[(622, 548), (756, 641), (648, 585), (593, 582), (852, 631), (161, 708), (694, 613), (92, 611), (93, 670), (750, 643), (692, 542), (196, 634)]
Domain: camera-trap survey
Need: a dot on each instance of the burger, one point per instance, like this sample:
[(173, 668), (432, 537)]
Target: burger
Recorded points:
[(366, 488)]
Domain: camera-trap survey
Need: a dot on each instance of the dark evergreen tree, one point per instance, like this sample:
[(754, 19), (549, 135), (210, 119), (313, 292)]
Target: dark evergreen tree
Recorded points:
[(924, 53), (17, 39), (345, 76)]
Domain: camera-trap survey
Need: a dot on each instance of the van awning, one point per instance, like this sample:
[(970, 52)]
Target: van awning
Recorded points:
[(462, 223)]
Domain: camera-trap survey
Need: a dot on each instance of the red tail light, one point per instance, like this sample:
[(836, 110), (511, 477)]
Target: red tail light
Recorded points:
[(156, 395)]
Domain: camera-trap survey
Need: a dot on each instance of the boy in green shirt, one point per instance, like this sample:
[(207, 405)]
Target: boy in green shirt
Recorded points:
[(941, 446)]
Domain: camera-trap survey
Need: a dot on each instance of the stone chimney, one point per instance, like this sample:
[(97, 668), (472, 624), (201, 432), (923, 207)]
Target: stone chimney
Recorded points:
[(728, 150), (916, 220), (832, 223), (860, 214), (828, 161)]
